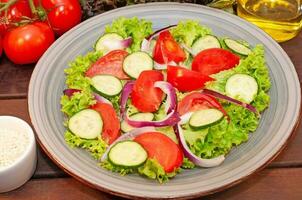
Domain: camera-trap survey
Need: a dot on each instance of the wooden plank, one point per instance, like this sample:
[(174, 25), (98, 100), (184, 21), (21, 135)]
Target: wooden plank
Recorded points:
[(290, 157), (293, 49), (268, 184), (14, 79)]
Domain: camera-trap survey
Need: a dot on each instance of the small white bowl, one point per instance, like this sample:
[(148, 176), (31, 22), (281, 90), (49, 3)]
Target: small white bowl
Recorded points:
[(21, 170)]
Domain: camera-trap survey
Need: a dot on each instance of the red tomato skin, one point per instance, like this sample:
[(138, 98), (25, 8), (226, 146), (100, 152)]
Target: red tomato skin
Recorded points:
[(198, 101), (111, 63), (14, 14), (162, 148), (111, 123), (186, 80), (167, 49), (62, 14), (1, 46), (26, 44), (145, 97), (214, 60)]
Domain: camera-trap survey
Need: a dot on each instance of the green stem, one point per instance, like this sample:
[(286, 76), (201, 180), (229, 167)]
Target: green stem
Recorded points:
[(7, 5), (32, 7)]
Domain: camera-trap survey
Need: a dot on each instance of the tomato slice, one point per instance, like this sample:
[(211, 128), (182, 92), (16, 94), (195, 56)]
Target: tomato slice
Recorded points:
[(161, 148), (167, 49), (198, 101), (214, 60), (145, 97), (111, 123), (186, 80), (111, 63)]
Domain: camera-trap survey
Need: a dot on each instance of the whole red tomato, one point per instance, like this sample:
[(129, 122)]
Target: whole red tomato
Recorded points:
[(15, 13), (26, 44), (62, 14)]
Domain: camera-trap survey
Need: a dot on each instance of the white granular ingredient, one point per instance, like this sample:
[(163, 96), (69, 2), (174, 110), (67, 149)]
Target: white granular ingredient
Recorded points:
[(12, 145)]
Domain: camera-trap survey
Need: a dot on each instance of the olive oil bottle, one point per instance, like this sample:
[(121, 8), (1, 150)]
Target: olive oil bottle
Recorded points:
[(282, 19)]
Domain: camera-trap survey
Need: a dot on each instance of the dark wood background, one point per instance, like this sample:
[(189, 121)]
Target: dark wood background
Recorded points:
[(282, 179)]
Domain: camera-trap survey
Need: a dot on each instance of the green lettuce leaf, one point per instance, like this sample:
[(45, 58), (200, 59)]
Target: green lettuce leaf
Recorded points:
[(187, 164), (188, 31), (253, 65), (78, 101), (153, 170), (75, 73), (121, 170), (223, 136), (96, 147), (136, 28)]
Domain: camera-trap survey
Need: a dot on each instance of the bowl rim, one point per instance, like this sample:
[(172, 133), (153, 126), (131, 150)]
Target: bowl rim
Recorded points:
[(197, 194)]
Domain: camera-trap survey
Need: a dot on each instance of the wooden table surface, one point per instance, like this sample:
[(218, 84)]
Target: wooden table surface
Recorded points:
[(282, 179)]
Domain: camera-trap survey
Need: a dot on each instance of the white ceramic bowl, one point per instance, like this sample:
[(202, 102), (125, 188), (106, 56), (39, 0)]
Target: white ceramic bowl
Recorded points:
[(21, 170)]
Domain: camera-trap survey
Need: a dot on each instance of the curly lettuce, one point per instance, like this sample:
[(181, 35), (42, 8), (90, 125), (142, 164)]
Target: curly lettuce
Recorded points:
[(150, 169), (96, 147), (188, 31), (136, 28), (220, 138)]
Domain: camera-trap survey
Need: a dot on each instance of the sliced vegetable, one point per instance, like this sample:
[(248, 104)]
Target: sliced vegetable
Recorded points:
[(186, 80), (127, 136), (212, 61), (111, 41), (146, 43), (106, 85), (111, 123), (237, 47), (213, 162), (69, 92), (101, 99), (110, 64), (167, 49), (198, 101), (136, 117), (137, 62), (206, 42), (161, 148), (171, 119), (242, 87), (145, 96), (227, 98), (127, 154), (205, 118), (86, 124)]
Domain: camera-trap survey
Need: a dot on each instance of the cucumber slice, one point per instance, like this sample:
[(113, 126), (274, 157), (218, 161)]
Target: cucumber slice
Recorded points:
[(206, 42), (242, 87), (107, 42), (236, 47), (106, 85), (86, 124), (205, 118), (127, 154), (138, 117), (137, 62)]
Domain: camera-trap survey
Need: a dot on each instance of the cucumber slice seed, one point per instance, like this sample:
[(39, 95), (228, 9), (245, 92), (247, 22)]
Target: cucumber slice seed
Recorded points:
[(237, 47), (127, 154), (107, 42), (205, 118), (242, 87), (107, 85), (206, 42), (136, 63), (125, 127), (86, 124)]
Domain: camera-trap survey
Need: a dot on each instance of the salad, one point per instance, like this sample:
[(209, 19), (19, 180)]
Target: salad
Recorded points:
[(158, 102)]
